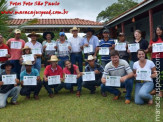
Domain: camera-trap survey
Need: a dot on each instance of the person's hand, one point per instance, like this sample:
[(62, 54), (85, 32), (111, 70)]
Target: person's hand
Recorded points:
[(44, 46), (135, 75), (128, 51), (38, 78), (55, 47), (81, 73), (123, 79), (7, 55), (154, 75), (78, 76), (69, 47), (113, 46), (62, 79), (17, 81), (97, 72), (21, 83), (46, 79), (103, 80), (1, 83), (86, 45)]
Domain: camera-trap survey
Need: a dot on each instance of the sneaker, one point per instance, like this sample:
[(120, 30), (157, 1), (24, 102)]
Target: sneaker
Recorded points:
[(14, 103), (51, 95), (150, 102), (104, 94), (27, 97), (78, 93), (153, 92), (117, 97), (127, 101)]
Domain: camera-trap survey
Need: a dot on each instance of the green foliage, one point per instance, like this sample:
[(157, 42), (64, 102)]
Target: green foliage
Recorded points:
[(115, 9)]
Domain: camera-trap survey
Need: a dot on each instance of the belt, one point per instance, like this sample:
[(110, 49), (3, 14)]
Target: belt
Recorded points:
[(141, 81), (76, 53)]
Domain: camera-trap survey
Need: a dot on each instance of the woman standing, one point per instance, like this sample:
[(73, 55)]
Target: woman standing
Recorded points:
[(144, 87)]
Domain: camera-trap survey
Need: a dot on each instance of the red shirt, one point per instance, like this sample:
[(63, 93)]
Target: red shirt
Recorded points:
[(154, 54), (51, 72), (67, 71), (3, 59)]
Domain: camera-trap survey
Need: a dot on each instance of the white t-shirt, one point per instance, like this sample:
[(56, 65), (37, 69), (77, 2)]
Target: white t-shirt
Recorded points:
[(148, 66), (75, 43)]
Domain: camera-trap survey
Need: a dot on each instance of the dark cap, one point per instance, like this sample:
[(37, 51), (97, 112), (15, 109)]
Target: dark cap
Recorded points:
[(105, 31)]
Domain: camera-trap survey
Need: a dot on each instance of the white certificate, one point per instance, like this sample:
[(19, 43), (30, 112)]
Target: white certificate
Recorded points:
[(70, 78), (158, 47), (104, 51), (16, 45), (3, 52), (28, 57), (63, 47), (50, 46), (30, 80), (52, 80), (120, 46), (113, 81), (134, 47), (36, 51), (88, 49), (88, 76), (9, 79), (143, 74)]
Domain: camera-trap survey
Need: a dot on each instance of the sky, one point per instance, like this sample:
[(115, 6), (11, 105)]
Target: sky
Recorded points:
[(83, 9)]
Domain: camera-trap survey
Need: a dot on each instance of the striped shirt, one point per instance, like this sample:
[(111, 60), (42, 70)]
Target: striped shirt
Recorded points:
[(122, 69), (108, 43)]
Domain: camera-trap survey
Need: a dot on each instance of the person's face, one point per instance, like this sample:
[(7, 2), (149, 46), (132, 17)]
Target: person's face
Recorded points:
[(62, 38), (121, 38), (33, 38), (27, 51), (75, 32), (48, 37), (68, 64), (89, 34), (1, 38), (17, 35), (137, 35), (28, 67), (54, 63), (141, 55), (106, 35), (91, 63), (115, 59), (8, 67), (159, 32)]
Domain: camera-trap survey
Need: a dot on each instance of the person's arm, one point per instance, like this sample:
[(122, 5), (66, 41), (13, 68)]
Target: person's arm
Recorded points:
[(124, 78), (1, 82), (96, 51), (45, 78), (146, 46), (106, 72), (21, 78), (61, 75), (154, 72), (45, 74)]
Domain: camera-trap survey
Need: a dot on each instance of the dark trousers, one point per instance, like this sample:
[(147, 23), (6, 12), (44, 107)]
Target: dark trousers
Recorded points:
[(26, 90), (17, 67)]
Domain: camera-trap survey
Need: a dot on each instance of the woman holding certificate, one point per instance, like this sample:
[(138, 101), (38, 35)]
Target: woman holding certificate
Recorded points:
[(72, 76), (144, 70)]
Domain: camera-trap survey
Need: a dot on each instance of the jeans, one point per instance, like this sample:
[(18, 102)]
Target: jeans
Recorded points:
[(79, 84), (91, 85), (26, 90), (14, 92), (128, 84), (77, 58), (142, 92), (56, 87), (17, 67), (103, 63), (61, 63), (37, 64), (131, 64)]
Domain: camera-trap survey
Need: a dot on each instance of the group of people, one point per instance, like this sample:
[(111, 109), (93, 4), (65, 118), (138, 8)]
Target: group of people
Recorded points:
[(64, 59)]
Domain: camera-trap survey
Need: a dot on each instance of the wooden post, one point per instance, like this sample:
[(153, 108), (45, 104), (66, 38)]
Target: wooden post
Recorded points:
[(151, 23), (123, 27)]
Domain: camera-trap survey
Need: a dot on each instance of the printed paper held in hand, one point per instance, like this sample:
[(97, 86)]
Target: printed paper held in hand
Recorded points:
[(134, 47), (158, 47), (30, 80), (63, 47), (50, 46), (52, 80), (70, 78), (104, 51), (113, 81), (143, 74), (120, 46), (9, 79), (16, 45), (3, 52), (88, 49), (28, 57), (36, 51), (88, 76)]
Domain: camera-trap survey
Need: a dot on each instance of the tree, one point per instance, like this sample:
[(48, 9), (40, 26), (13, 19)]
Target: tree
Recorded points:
[(115, 9)]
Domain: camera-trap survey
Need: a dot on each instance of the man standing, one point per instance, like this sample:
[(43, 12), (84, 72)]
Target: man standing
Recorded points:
[(27, 89), (118, 67), (97, 69), (3, 58), (8, 90), (76, 52), (15, 49), (63, 48), (36, 49)]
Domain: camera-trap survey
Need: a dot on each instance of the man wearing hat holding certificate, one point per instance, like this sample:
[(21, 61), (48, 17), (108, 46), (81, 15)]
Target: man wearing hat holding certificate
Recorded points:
[(52, 70), (76, 52), (8, 89), (97, 69), (35, 45), (15, 49), (28, 88)]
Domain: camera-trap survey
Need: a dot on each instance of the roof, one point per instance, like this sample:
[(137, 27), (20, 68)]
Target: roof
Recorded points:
[(75, 21)]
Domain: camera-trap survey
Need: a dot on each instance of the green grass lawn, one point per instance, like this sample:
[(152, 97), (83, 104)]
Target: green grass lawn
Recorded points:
[(66, 107)]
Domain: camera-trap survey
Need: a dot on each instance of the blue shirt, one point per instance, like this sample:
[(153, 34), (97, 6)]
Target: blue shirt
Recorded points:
[(94, 41), (34, 72), (108, 43)]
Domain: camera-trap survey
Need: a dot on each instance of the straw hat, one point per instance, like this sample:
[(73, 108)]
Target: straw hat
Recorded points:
[(33, 34), (90, 58), (74, 29), (53, 59), (29, 63), (26, 47)]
